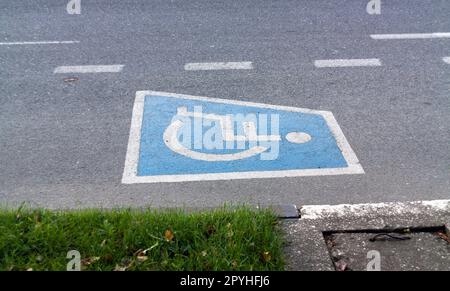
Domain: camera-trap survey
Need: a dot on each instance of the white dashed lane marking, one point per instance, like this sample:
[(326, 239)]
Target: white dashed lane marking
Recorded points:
[(347, 63), (218, 66), (89, 69), (411, 35), (39, 42)]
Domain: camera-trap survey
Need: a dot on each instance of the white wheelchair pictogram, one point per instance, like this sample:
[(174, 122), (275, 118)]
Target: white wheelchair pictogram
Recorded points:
[(171, 135)]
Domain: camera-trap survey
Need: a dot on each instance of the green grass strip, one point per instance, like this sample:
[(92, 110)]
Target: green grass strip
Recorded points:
[(223, 239)]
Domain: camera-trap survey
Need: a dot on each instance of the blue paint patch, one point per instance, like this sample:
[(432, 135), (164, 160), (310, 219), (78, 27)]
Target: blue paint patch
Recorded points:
[(156, 158)]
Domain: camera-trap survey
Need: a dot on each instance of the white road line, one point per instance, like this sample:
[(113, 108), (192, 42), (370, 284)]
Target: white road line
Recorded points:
[(411, 35), (347, 63), (89, 69), (446, 59), (39, 42), (218, 66)]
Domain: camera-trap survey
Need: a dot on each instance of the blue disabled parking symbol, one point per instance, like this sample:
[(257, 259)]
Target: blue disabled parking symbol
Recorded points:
[(175, 137)]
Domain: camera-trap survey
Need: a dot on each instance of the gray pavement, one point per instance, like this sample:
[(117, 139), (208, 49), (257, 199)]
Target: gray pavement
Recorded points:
[(63, 145)]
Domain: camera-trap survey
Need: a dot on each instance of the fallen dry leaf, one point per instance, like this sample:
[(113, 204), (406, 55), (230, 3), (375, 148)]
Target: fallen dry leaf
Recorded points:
[(168, 235), (120, 268), (125, 265), (267, 256), (443, 236), (140, 255), (89, 261), (142, 258)]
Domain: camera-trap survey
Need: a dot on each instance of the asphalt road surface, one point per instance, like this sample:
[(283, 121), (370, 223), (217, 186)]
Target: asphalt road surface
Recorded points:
[(63, 142)]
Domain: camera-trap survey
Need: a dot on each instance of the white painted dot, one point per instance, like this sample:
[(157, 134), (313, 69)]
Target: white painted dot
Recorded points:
[(298, 137)]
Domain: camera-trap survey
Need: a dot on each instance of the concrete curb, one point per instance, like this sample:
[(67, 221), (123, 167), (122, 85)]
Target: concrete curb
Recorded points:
[(306, 249)]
